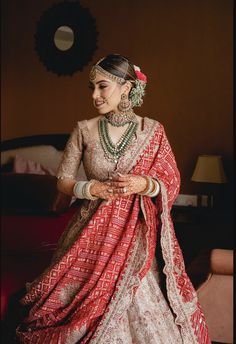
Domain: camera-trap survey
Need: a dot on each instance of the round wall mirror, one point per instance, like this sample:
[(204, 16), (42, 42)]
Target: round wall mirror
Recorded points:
[(64, 38)]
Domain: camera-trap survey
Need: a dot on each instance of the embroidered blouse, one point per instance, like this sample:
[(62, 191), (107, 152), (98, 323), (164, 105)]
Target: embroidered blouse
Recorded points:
[(82, 147)]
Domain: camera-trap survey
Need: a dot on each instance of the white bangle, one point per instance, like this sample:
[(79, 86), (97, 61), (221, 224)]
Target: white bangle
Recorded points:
[(86, 190), (148, 188), (152, 189), (155, 190), (78, 189)]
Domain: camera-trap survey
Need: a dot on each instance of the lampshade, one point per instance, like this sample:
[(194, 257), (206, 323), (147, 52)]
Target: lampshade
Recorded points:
[(209, 169)]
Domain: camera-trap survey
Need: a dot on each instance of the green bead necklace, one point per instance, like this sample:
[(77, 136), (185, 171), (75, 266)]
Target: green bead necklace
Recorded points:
[(115, 151)]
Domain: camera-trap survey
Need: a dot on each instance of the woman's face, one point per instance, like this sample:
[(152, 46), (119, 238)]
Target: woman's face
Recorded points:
[(106, 94)]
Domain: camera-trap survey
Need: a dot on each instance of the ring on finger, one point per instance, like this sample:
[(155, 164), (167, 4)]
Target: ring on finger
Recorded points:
[(125, 190), (110, 190)]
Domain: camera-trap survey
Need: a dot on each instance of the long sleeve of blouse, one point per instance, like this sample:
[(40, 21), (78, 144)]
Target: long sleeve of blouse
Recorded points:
[(72, 155)]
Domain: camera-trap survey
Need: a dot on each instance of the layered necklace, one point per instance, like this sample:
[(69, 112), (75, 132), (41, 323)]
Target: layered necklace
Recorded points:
[(113, 151)]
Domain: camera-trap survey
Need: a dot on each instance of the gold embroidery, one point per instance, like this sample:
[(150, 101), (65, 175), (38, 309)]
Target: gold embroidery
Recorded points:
[(71, 156)]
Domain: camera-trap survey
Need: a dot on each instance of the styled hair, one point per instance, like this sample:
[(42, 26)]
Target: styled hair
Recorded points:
[(118, 65), (120, 69)]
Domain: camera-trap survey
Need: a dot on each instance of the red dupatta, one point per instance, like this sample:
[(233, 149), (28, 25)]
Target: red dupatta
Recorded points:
[(84, 292)]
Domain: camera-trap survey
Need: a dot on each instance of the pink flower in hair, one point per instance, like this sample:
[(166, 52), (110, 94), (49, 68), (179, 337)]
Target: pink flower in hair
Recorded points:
[(139, 74)]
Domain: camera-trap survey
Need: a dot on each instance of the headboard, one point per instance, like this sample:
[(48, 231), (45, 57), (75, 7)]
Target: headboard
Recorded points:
[(56, 140), (28, 168)]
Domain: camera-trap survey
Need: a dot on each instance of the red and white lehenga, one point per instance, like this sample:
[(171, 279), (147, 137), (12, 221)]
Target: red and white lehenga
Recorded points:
[(103, 283)]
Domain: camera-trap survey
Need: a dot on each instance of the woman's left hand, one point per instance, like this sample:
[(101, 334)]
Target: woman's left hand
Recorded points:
[(127, 184)]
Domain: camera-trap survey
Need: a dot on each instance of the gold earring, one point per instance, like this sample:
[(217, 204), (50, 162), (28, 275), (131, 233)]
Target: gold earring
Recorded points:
[(125, 104)]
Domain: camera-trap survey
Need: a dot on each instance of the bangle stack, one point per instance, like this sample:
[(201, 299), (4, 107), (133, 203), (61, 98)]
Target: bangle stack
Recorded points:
[(82, 190), (156, 188), (152, 188), (148, 188)]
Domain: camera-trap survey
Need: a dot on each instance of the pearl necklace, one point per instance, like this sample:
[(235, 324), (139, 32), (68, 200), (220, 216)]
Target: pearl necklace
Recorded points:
[(114, 151), (118, 120)]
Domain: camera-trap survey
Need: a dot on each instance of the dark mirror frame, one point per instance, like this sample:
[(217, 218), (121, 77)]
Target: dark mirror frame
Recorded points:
[(79, 19)]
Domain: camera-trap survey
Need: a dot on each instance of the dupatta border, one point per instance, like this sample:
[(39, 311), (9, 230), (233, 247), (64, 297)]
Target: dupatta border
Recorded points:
[(137, 148), (181, 294)]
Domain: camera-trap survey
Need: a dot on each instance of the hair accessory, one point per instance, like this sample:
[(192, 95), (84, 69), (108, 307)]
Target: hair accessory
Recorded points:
[(98, 69), (139, 74), (138, 91)]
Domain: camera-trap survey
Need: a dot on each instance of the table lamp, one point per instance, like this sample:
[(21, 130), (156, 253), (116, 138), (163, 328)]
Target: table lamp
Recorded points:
[(209, 169)]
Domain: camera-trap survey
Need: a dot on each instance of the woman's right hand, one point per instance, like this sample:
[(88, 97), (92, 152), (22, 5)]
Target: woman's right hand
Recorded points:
[(102, 190)]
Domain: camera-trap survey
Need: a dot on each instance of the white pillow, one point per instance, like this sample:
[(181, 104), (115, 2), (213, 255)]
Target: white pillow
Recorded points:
[(45, 155)]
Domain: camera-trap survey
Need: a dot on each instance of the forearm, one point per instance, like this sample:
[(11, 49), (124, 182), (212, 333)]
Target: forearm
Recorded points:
[(109, 190), (92, 189), (66, 186)]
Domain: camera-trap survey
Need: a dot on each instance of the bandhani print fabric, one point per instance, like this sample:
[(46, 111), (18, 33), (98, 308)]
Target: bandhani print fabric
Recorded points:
[(103, 283)]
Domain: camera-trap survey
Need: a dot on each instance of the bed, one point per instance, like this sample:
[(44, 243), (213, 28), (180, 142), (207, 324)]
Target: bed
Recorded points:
[(34, 214)]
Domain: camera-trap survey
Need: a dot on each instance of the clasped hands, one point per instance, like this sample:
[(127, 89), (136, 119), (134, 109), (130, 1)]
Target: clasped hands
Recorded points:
[(119, 185)]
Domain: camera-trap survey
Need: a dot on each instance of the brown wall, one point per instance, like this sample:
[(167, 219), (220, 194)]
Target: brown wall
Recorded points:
[(184, 47)]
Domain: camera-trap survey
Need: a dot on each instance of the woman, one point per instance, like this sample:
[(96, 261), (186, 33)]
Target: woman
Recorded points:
[(104, 283)]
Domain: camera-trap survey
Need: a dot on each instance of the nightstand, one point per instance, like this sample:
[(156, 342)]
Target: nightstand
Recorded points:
[(201, 228)]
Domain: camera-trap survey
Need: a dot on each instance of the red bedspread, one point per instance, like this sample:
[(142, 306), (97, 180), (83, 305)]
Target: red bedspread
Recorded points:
[(27, 244)]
